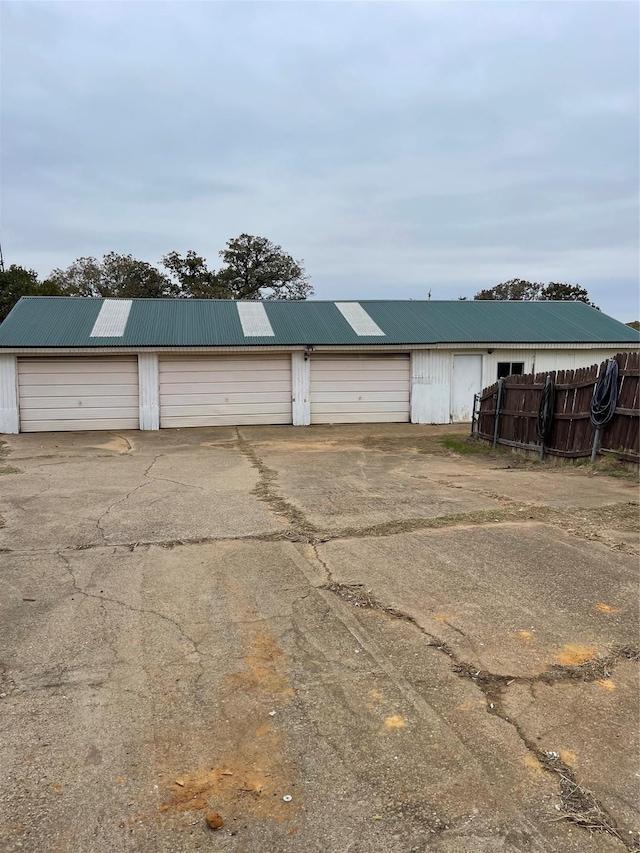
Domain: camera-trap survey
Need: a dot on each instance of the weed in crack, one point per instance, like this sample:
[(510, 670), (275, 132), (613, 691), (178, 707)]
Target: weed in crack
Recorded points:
[(264, 490)]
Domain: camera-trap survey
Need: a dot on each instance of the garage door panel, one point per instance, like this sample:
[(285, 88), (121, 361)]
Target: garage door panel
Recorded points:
[(234, 377), (80, 404), (94, 390), (340, 396), (71, 413), (224, 420), (200, 389), (75, 379), (226, 409), (360, 389), (366, 385), (221, 365), (360, 418), (61, 393), (232, 398), (362, 406), (78, 425), (223, 391), (93, 367), (353, 373)]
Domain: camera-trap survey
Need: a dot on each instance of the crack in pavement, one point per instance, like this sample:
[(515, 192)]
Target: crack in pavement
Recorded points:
[(130, 607), (579, 805), (264, 490), (310, 535)]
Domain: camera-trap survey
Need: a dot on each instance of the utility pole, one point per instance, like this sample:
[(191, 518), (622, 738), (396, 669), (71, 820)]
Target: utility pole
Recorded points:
[(1, 259)]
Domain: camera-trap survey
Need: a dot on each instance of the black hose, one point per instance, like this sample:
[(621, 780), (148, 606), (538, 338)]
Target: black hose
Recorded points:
[(605, 395), (545, 410)]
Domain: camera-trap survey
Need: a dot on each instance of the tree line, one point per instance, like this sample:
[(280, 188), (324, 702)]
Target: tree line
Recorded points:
[(252, 268), (534, 291)]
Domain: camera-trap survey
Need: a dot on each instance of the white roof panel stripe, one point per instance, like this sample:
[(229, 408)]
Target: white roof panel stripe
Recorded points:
[(358, 319), (254, 320), (112, 319)]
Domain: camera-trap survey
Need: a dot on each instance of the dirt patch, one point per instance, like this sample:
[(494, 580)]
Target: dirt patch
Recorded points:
[(116, 444), (575, 655), (250, 779), (263, 667), (252, 773)]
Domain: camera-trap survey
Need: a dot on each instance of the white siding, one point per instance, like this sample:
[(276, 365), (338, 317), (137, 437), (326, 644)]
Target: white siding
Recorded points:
[(225, 390), (466, 382), (300, 377), (149, 391), (9, 422), (543, 360), (360, 388), (430, 386), (67, 393), (572, 359)]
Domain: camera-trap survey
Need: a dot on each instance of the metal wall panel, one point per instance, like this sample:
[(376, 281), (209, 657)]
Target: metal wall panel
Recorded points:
[(430, 386)]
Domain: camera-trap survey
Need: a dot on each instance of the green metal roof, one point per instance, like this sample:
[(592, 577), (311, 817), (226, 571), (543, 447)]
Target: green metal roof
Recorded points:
[(41, 321)]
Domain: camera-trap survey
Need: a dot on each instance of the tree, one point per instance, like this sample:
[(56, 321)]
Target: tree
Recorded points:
[(17, 281), (255, 268), (518, 289), (515, 289), (193, 277), (561, 292), (635, 324), (116, 276)]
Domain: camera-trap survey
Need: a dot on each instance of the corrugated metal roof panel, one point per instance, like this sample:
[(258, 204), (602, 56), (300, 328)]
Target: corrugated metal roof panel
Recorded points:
[(41, 321)]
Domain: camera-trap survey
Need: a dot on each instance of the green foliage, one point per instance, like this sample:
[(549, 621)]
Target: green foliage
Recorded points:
[(192, 276), (561, 292), (466, 446), (116, 276), (255, 268), (514, 289), (635, 324), (517, 289), (17, 281)]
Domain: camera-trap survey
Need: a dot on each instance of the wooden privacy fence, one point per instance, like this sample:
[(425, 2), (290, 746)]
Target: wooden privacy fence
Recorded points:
[(507, 412)]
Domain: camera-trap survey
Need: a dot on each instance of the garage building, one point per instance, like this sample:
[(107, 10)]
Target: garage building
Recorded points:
[(70, 363)]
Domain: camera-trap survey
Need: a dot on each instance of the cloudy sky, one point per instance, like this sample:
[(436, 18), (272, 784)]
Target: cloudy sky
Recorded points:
[(396, 147)]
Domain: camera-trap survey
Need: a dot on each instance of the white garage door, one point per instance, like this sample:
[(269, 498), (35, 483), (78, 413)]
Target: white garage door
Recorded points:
[(360, 388), (225, 390), (59, 394)]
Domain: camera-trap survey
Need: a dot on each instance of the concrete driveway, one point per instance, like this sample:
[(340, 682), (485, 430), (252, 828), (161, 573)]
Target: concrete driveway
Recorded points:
[(339, 639)]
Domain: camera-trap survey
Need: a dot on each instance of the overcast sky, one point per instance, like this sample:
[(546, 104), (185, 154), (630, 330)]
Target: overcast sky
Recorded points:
[(396, 147)]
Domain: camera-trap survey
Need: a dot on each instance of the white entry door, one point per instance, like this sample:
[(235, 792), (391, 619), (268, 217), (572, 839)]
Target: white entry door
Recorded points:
[(467, 381)]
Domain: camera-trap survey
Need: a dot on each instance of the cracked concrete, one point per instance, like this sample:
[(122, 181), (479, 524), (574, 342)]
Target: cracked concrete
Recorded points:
[(418, 647)]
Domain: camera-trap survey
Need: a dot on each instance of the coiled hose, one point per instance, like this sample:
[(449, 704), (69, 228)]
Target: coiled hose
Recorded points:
[(545, 410), (605, 395)]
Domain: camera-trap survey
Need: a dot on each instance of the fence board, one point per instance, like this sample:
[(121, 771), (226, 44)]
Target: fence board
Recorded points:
[(572, 432)]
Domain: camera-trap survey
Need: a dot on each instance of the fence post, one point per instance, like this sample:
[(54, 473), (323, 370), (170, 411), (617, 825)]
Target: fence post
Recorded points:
[(496, 423), (474, 413)]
